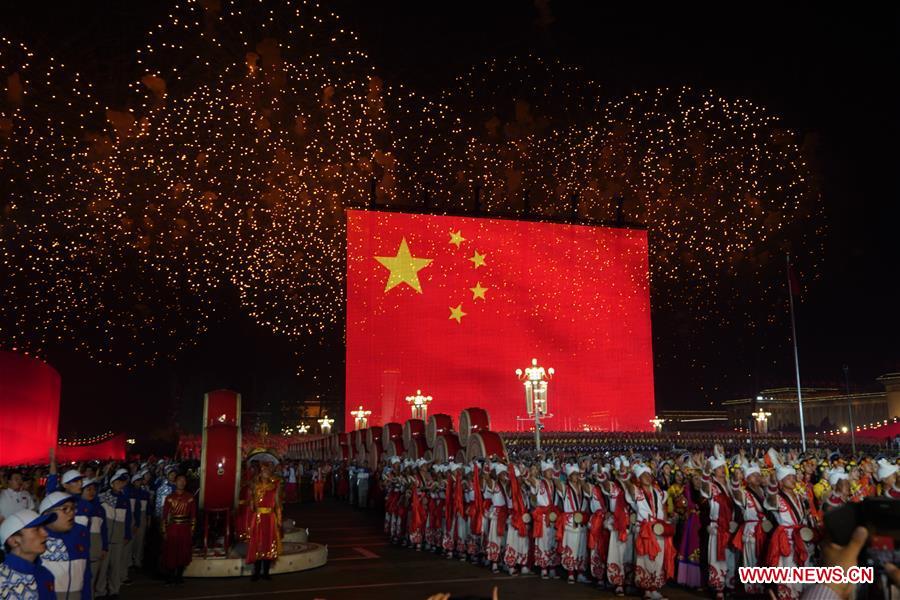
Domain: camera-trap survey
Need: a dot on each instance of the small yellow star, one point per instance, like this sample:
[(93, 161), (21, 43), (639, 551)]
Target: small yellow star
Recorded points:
[(478, 259), (456, 238), (478, 291), (457, 313)]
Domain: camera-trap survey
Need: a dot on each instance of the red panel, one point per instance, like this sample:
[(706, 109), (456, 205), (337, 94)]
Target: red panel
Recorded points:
[(29, 409), (574, 297), (220, 461)]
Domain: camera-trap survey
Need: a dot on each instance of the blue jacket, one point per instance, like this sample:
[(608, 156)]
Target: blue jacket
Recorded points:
[(118, 510), (36, 582), (98, 522), (68, 557)]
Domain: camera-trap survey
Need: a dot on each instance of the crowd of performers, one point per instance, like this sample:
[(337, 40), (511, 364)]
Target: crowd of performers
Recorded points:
[(77, 534), (629, 522)]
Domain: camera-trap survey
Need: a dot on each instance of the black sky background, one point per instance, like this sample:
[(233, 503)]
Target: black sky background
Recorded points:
[(829, 71)]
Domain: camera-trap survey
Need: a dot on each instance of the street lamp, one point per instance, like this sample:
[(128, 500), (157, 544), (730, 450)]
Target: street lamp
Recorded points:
[(536, 380), (762, 420), (657, 424), (303, 428), (419, 405), (325, 424), (362, 417)]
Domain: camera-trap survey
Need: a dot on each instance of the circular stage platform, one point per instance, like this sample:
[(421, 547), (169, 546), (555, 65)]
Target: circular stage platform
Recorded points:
[(297, 555)]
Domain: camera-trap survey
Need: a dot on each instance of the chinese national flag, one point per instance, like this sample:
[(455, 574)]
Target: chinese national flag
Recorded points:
[(452, 306)]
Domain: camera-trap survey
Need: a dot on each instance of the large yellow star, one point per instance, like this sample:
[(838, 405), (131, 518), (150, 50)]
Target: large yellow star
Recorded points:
[(478, 259), (404, 268), (478, 291), (456, 238), (457, 313)]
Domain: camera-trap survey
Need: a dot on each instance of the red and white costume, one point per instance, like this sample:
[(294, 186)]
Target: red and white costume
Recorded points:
[(750, 539), (620, 552), (786, 547), (498, 515), (598, 534), (544, 530), (722, 559), (654, 553), (570, 536)]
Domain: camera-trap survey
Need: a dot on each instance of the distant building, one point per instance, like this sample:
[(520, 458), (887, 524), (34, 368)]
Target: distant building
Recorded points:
[(823, 408)]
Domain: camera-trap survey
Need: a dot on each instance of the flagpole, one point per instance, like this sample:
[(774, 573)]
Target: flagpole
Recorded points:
[(796, 355)]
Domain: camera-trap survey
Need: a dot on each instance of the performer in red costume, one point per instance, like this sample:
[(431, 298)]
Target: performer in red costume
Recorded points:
[(265, 524), (179, 518)]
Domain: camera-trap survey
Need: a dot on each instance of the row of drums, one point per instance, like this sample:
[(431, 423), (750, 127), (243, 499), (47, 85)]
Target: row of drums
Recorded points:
[(435, 439)]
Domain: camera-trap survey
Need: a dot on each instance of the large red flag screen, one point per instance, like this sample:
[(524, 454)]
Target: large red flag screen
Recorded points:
[(453, 306)]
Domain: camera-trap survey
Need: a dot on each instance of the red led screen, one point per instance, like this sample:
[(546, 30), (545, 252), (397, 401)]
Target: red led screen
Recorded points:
[(29, 409), (454, 305)]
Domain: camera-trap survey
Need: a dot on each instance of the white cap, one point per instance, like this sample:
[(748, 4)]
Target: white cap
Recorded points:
[(55, 499), (22, 520), (639, 469), (137, 477), (751, 469), (119, 474), (571, 469), (547, 465), (87, 481), (782, 471), (454, 466), (71, 476), (885, 469), (395, 460), (835, 476), (499, 468), (715, 462), (421, 462)]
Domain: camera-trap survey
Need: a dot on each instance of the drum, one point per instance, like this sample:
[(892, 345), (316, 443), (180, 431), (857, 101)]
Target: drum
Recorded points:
[(767, 526), (578, 518), (485, 444), (806, 534), (472, 420), (413, 427), (417, 447), (446, 447), (373, 434), (658, 529), (436, 425), (526, 518), (552, 516), (359, 440), (391, 431), (632, 518), (732, 527), (374, 457)]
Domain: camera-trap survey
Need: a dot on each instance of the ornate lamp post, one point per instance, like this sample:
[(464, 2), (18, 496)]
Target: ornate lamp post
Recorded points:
[(362, 417), (536, 380), (419, 405), (325, 424), (303, 428), (657, 424), (762, 420)]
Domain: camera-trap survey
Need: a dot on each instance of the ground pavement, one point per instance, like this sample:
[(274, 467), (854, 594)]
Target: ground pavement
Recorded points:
[(363, 564)]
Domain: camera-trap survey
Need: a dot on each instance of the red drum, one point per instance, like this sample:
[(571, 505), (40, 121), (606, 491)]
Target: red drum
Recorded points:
[(436, 425), (395, 448), (411, 428), (373, 434), (472, 420), (446, 447), (374, 457), (417, 447), (391, 431), (484, 444)]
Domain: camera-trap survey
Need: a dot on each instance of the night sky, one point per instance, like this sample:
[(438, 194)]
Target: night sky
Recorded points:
[(830, 72)]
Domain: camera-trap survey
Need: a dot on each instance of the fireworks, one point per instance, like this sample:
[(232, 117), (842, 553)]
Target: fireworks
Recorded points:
[(255, 125)]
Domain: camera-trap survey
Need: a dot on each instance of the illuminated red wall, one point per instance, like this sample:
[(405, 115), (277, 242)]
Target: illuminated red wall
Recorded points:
[(113, 448), (575, 297), (29, 409)]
